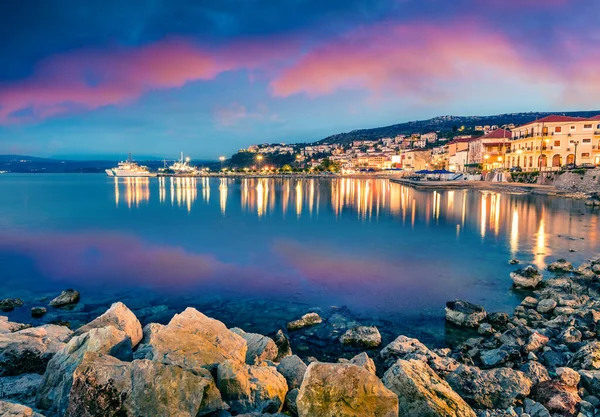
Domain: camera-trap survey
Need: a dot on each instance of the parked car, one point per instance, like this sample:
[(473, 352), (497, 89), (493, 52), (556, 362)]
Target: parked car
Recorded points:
[(516, 169), (568, 167), (587, 165)]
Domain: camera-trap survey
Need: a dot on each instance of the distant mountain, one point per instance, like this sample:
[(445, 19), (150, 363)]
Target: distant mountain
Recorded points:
[(446, 125)]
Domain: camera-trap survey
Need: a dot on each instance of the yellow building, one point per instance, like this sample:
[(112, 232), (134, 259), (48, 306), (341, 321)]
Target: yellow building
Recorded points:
[(554, 141)]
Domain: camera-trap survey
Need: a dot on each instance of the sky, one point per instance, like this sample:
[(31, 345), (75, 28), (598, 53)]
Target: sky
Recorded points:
[(209, 77)]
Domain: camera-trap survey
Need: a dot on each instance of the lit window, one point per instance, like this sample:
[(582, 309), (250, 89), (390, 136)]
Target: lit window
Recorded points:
[(587, 141), (558, 129), (557, 143)]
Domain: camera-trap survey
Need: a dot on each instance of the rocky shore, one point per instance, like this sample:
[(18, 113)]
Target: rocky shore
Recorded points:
[(543, 360)]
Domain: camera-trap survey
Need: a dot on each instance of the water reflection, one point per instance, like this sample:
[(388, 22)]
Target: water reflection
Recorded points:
[(137, 190)]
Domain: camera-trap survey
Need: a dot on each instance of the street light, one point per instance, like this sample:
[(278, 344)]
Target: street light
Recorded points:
[(259, 158), (222, 159)]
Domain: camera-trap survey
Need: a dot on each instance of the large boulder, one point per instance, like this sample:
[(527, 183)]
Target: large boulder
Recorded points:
[(21, 389), (587, 357), (363, 336), (9, 326), (8, 409), (104, 386), (30, 349), (422, 393), (9, 304), (465, 314), (404, 347), (560, 265), (293, 369), (494, 388), (120, 317), (309, 319), (557, 397), (65, 298), (193, 341), (363, 360), (53, 394), (344, 390), (248, 388), (283, 345), (526, 278), (260, 348)]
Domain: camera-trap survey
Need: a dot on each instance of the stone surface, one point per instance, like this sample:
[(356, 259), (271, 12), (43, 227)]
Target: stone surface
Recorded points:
[(557, 397), (344, 390), (21, 389), (30, 349), (363, 360), (560, 265), (120, 317), (309, 319), (247, 388), (283, 345), (293, 369), (53, 394), (587, 357), (260, 348), (363, 336), (526, 278), (535, 371), (404, 347), (37, 312), (290, 401), (422, 393), (494, 388), (9, 326), (191, 340), (465, 314), (8, 409), (590, 380), (106, 386), (546, 306), (65, 298), (9, 304)]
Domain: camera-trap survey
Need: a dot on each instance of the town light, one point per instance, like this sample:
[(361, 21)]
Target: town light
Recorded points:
[(486, 157)]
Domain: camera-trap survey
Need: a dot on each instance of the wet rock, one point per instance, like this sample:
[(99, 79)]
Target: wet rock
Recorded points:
[(21, 389), (561, 265), (557, 398), (465, 314), (495, 357), (9, 304), (494, 388), (248, 388), (485, 329), (514, 262), (106, 386), (260, 348), (344, 390), (422, 393), (363, 336), (546, 306), (534, 409), (191, 340), (587, 357), (290, 401), (498, 320), (283, 345), (535, 371), (37, 312), (517, 336), (53, 394), (29, 350), (363, 360), (8, 409), (67, 297), (309, 319), (293, 370), (526, 278), (121, 318)]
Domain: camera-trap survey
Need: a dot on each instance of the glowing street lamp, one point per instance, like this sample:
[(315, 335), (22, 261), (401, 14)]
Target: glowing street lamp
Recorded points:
[(222, 159), (259, 158)]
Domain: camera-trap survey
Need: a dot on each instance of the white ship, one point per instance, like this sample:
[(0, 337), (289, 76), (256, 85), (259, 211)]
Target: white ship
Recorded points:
[(130, 169), (182, 167)]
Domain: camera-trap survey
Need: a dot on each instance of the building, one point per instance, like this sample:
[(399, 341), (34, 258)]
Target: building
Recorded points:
[(554, 141), (415, 160), (490, 150), (430, 137), (458, 153)]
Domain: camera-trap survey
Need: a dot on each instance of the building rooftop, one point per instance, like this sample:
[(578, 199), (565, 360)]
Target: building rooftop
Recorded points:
[(498, 134), (554, 118)]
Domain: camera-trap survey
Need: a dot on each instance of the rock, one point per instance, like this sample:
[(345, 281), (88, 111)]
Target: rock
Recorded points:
[(293, 369), (290, 401), (568, 377), (344, 390), (260, 348), (570, 335), (29, 350), (546, 306), (464, 314), (283, 345), (485, 329), (21, 389), (363, 360), (9, 326), (363, 336), (526, 278), (499, 320), (495, 357), (517, 336), (535, 342), (53, 394), (67, 297), (248, 388), (494, 388), (106, 386), (191, 340), (514, 262), (422, 393), (561, 265), (530, 302), (406, 348), (9, 304), (535, 371), (309, 319), (120, 317), (587, 357), (37, 312), (590, 380), (8, 409), (534, 409), (557, 398)]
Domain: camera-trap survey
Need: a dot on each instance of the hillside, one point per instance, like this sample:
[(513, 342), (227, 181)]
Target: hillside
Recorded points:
[(446, 125)]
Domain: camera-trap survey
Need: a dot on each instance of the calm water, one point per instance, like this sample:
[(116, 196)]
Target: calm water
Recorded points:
[(257, 253)]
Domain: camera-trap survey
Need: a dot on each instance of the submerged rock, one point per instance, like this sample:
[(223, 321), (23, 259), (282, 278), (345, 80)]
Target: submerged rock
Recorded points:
[(561, 265), (9, 304), (344, 390), (526, 278), (37, 312), (260, 348), (364, 336), (67, 297), (309, 319), (422, 393), (465, 314), (8, 409), (293, 370), (120, 317)]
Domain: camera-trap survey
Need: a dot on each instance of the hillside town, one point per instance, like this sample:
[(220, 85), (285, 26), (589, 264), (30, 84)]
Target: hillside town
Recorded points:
[(551, 143)]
